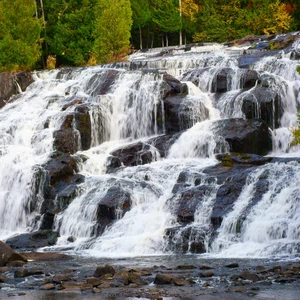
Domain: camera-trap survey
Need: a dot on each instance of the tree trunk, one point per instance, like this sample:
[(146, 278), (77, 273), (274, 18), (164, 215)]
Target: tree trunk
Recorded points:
[(162, 40), (167, 40), (141, 38)]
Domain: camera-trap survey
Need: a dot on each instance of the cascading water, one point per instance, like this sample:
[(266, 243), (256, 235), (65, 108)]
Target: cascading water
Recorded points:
[(126, 210)]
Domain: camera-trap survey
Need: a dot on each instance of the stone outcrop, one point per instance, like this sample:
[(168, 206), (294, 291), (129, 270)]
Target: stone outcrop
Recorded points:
[(11, 83)]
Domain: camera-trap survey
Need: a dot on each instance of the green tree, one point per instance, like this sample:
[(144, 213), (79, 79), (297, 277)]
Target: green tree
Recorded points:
[(166, 15), (141, 15), (19, 35), (71, 33), (112, 30)]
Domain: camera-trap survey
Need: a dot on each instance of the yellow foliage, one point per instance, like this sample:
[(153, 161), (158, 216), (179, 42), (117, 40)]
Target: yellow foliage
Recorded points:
[(280, 20), (296, 134), (189, 9), (51, 62)]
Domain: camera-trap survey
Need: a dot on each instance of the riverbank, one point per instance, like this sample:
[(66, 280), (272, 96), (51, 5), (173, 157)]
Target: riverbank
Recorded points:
[(164, 277)]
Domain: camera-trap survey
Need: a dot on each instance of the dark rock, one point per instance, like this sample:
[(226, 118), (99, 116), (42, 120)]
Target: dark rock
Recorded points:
[(185, 267), (185, 203), (58, 278), (47, 220), (34, 240), (94, 281), (3, 278), (4, 269), (207, 274), (11, 82), (222, 81), (204, 267), (186, 239), (47, 287), (46, 256), (84, 125), (21, 272), (263, 103), (135, 154), (113, 163), (112, 206), (107, 269), (249, 276), (74, 102), (16, 263), (7, 254), (66, 139), (163, 279), (101, 83), (245, 136), (232, 265), (249, 78)]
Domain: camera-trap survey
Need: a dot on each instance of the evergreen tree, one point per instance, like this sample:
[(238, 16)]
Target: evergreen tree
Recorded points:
[(72, 29), (141, 15), (19, 35), (166, 15), (112, 30)]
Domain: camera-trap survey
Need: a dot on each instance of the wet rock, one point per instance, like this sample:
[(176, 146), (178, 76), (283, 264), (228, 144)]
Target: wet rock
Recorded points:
[(229, 159), (96, 290), (264, 103), (46, 256), (84, 125), (94, 281), (66, 139), (185, 267), (183, 239), (21, 272), (58, 278), (206, 274), (222, 81), (102, 270), (32, 240), (185, 203), (113, 163), (232, 265), (180, 282), (237, 289), (100, 85), (205, 267), (11, 82), (47, 287), (47, 220), (112, 206), (7, 254), (249, 276), (129, 277), (4, 269), (136, 154), (74, 102), (245, 136), (163, 279), (3, 278)]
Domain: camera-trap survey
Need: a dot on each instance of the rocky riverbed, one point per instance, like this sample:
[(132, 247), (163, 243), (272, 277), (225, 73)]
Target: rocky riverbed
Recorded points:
[(52, 275)]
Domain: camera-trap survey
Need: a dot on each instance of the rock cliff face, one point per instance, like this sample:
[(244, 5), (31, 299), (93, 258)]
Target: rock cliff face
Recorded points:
[(123, 150), (12, 83)]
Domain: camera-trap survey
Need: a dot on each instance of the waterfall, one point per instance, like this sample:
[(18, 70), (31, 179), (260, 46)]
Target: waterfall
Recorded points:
[(145, 145)]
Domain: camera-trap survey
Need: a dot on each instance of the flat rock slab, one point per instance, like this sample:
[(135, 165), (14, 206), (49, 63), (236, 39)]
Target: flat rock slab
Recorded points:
[(46, 256)]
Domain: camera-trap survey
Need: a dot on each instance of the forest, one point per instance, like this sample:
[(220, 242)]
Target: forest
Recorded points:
[(39, 34)]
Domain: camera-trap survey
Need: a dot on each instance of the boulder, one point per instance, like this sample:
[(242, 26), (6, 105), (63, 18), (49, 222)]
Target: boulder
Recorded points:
[(46, 256), (21, 272), (66, 139), (185, 203), (103, 270), (7, 254), (245, 136), (112, 206), (264, 103), (10, 83), (32, 240), (135, 154), (58, 278), (84, 125), (101, 83)]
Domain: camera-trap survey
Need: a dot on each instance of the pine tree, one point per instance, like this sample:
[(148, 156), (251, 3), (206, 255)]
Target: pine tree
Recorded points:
[(19, 35), (112, 30)]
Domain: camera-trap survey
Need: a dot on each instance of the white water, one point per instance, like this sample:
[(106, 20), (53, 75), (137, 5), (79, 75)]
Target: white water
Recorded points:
[(125, 113)]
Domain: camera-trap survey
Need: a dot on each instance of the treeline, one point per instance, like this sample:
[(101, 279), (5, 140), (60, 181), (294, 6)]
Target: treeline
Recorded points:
[(51, 33)]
